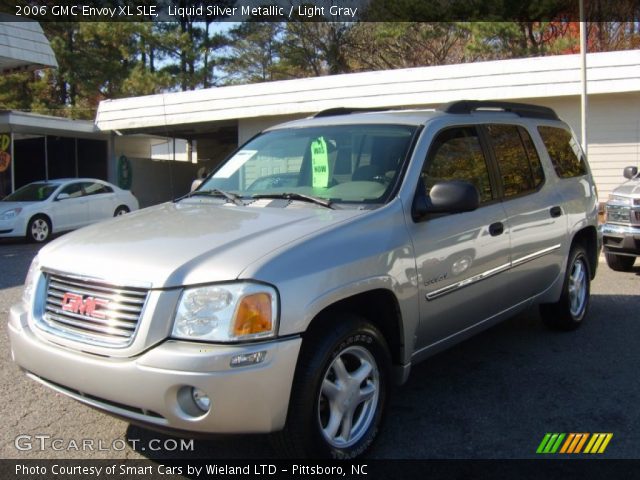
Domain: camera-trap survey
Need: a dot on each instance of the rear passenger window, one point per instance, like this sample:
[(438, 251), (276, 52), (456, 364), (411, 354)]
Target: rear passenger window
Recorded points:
[(96, 188), (534, 160), (456, 154), (564, 152), (518, 162), (74, 190)]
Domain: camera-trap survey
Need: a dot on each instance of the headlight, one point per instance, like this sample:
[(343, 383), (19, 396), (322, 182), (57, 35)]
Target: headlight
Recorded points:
[(30, 281), (620, 200), (10, 214), (227, 313)]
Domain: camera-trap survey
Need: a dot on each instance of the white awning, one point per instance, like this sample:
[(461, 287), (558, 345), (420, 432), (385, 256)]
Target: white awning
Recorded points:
[(23, 46), (527, 78)]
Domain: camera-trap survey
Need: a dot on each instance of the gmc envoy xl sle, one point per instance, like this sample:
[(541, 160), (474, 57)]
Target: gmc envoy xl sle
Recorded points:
[(294, 309)]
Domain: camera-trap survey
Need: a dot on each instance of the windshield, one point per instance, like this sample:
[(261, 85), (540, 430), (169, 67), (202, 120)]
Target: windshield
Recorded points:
[(34, 192), (343, 163)]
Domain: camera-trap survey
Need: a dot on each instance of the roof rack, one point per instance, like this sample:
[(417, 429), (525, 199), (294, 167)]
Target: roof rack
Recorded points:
[(520, 109), (346, 111)]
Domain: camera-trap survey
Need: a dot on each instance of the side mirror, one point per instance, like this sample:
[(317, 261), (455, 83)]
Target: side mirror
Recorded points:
[(445, 197), (630, 172), (196, 183), (63, 196)]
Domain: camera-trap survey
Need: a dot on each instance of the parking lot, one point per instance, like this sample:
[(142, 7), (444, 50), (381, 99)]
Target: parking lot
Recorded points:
[(494, 396)]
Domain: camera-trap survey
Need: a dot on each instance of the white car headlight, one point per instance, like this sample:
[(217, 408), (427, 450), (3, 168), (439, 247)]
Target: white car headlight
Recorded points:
[(30, 281), (227, 313), (10, 214)]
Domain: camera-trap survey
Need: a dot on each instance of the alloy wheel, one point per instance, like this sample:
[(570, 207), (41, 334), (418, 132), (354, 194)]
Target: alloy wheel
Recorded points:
[(348, 397), (577, 287), (40, 230)]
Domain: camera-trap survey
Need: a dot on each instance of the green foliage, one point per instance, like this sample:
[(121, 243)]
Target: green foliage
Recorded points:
[(499, 40), (253, 53), (383, 45), (316, 48)]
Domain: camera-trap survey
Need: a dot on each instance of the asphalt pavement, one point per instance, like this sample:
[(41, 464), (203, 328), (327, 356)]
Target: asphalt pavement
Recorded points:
[(493, 396)]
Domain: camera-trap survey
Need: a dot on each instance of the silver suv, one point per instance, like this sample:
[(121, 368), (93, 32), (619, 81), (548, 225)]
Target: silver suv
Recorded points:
[(621, 231), (292, 307)]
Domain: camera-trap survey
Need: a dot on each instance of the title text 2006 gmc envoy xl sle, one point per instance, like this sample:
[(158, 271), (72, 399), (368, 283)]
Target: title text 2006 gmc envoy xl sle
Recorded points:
[(305, 276)]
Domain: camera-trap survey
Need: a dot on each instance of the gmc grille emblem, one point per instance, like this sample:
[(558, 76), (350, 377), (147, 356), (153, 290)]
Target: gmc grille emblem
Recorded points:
[(88, 306)]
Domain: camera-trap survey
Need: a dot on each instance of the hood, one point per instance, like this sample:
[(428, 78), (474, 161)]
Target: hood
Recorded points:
[(185, 243), (630, 188)]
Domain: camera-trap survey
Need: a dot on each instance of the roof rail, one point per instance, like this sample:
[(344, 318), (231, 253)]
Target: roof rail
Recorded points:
[(346, 111), (520, 109)]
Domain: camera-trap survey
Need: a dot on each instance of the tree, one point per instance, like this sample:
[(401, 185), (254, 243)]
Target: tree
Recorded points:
[(381, 45), (253, 53), (315, 48), (188, 46)]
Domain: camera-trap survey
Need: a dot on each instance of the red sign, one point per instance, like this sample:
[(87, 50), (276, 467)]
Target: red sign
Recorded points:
[(88, 306)]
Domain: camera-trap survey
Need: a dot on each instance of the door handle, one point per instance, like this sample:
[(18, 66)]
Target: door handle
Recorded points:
[(555, 212), (496, 229)]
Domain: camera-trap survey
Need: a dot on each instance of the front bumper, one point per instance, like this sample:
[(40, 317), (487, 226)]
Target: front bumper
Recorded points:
[(150, 388), (621, 239), (12, 228)]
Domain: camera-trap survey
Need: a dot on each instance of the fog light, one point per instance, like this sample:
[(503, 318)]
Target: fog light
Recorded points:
[(248, 359), (201, 399)]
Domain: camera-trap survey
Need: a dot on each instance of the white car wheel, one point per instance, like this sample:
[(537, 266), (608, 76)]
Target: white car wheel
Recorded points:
[(39, 229)]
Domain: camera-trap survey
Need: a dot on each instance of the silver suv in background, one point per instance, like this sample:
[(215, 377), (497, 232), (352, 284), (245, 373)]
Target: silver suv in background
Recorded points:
[(621, 231), (292, 307)]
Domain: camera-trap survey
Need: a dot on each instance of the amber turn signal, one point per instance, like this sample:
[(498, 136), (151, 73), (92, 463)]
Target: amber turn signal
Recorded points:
[(253, 316)]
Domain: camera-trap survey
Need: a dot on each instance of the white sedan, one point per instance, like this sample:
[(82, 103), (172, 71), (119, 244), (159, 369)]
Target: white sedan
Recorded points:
[(41, 208)]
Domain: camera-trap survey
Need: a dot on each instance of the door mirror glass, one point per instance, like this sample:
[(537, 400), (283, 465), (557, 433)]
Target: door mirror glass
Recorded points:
[(63, 196)]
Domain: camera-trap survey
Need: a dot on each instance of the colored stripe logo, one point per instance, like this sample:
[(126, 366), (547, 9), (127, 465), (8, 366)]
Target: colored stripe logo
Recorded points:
[(574, 443)]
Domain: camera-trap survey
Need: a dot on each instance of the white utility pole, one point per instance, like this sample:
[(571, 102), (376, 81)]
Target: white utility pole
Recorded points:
[(583, 71)]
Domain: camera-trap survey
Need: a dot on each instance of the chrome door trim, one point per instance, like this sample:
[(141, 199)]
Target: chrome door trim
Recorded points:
[(535, 255), (490, 273), (467, 281)]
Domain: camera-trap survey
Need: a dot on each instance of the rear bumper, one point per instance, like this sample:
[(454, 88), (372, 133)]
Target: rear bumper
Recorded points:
[(154, 387), (621, 239)]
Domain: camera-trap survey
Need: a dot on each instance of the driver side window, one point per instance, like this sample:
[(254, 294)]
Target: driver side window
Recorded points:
[(456, 154)]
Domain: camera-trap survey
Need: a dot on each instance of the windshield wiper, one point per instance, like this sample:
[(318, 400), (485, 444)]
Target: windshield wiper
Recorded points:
[(214, 192), (297, 196)]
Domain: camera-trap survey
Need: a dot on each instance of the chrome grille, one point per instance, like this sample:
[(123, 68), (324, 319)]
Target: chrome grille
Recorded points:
[(92, 312)]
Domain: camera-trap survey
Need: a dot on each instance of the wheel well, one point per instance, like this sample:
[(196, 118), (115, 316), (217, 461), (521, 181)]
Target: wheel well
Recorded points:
[(43, 215), (588, 238), (380, 307), (122, 206)]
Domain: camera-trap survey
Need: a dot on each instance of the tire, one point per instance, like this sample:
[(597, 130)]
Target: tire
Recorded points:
[(332, 412), (121, 210), (619, 263), (569, 312), (39, 229)]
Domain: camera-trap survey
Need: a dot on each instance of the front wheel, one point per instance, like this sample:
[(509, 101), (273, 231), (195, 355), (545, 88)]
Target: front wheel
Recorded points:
[(619, 263), (38, 229), (569, 312), (339, 392)]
